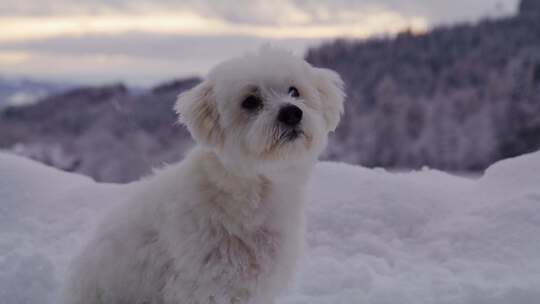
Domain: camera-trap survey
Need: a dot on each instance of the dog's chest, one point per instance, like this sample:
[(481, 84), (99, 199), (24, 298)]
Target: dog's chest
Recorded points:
[(230, 267), (248, 255)]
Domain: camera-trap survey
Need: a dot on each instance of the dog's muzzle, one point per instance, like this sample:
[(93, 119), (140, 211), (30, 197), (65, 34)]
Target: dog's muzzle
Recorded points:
[(290, 117)]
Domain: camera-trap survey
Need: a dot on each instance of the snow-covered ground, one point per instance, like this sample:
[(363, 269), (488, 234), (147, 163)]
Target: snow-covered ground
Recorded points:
[(373, 236)]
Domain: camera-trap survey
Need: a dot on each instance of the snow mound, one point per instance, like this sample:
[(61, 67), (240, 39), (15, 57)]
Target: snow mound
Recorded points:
[(373, 236)]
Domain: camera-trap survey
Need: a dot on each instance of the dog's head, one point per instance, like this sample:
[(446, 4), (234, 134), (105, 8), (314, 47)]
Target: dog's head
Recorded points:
[(269, 106)]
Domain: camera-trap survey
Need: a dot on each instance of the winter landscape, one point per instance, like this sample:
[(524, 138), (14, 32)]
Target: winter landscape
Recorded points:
[(428, 192)]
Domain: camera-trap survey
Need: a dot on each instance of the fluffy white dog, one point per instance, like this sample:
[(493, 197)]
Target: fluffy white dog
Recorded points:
[(225, 225)]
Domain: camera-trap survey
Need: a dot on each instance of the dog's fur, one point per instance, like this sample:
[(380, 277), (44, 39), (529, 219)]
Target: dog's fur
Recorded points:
[(224, 226)]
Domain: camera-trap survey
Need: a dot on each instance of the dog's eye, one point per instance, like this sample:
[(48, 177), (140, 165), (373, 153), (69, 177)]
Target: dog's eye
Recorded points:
[(294, 92), (252, 103)]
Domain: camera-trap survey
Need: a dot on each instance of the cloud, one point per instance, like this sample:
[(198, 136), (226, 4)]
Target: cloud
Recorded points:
[(139, 58), (146, 41), (263, 11), (358, 24), (13, 57), (149, 45), (36, 19)]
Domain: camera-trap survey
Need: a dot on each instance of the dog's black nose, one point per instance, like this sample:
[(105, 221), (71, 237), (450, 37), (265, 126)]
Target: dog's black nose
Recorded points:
[(290, 115)]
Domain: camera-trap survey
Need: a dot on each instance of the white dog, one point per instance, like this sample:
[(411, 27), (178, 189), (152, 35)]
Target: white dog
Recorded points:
[(224, 226)]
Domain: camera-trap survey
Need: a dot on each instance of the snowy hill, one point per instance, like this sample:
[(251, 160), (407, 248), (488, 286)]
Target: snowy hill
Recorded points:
[(456, 98), (16, 92), (373, 236), (111, 133)]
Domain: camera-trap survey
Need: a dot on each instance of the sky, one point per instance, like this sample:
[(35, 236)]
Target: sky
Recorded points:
[(145, 42)]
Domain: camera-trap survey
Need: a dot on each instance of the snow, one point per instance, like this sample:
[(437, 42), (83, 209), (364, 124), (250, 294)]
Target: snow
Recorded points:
[(24, 98), (373, 236), (44, 218)]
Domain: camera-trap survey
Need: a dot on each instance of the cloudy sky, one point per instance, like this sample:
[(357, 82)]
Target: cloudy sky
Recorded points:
[(144, 42)]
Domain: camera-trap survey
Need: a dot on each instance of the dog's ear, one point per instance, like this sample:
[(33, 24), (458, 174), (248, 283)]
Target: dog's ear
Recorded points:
[(330, 87), (197, 110)]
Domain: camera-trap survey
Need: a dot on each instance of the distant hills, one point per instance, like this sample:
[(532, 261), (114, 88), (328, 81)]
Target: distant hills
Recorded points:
[(21, 91), (106, 132), (457, 98)]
